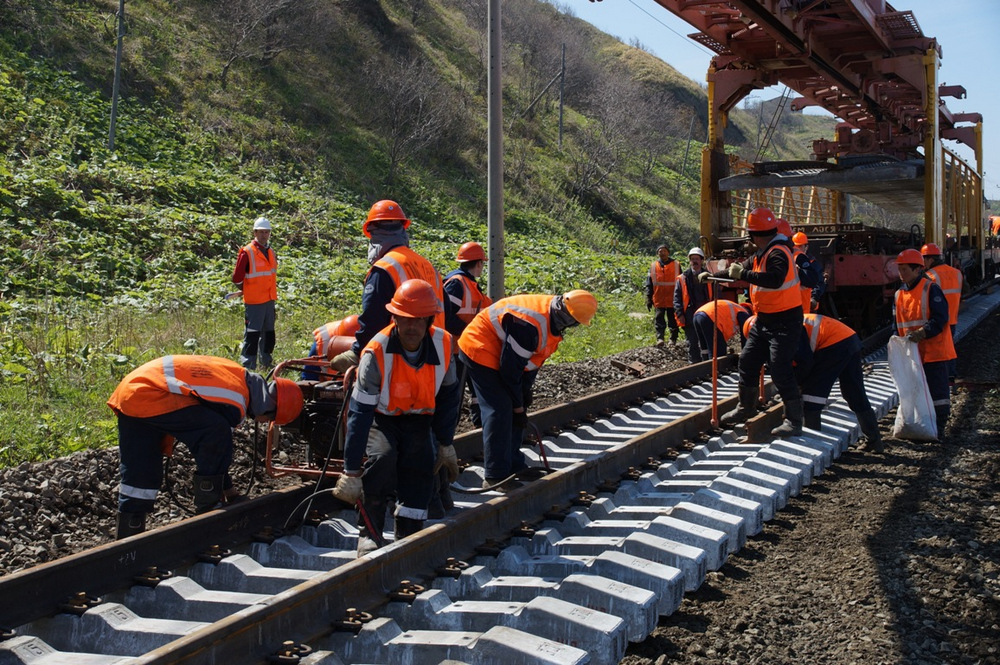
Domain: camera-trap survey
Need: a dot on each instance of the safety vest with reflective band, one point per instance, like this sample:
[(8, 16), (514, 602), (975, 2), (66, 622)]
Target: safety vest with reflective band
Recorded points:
[(664, 281), (326, 332), (402, 263), (406, 389), (786, 296), (483, 339), (805, 291), (950, 281), (726, 322), (686, 297), (473, 300), (824, 331), (260, 284), (172, 383), (912, 312)]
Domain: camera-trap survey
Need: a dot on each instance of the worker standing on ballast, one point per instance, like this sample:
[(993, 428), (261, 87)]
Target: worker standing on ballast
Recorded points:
[(774, 338), (256, 274), (660, 285), (811, 279), (952, 284), (197, 400), (689, 295), (461, 288)]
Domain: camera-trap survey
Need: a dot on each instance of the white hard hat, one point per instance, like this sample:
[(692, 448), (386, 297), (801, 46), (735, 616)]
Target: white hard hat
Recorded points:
[(262, 223), (697, 250)]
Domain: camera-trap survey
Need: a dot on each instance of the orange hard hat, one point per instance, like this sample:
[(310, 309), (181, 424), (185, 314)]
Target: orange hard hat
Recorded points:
[(385, 211), (800, 239), (289, 398), (784, 228), (748, 324), (581, 305), (470, 251), (761, 220), (930, 249), (910, 256), (415, 299)]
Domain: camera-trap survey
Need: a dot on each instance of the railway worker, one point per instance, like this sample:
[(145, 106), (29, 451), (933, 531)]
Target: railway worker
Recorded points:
[(405, 399), (995, 225), (392, 263), (325, 342), (774, 338), (690, 294), (725, 326), (811, 277), (661, 283), (952, 284), (831, 351), (467, 299), (503, 348), (197, 400), (921, 313), (256, 276)]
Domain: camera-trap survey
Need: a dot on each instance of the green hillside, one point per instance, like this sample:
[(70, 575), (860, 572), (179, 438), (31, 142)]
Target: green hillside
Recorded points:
[(307, 112)]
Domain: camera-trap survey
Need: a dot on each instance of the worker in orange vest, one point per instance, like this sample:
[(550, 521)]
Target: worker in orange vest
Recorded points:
[(392, 263), (503, 349), (256, 275), (327, 340), (405, 399), (995, 225), (726, 325), (830, 351), (811, 279), (197, 400), (921, 313), (952, 284), (467, 299), (774, 293), (660, 284)]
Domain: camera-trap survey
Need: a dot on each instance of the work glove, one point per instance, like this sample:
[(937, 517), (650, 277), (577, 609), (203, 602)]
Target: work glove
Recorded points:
[(447, 459), (520, 420), (703, 276), (345, 361), (917, 335), (349, 488), (649, 304), (736, 270)]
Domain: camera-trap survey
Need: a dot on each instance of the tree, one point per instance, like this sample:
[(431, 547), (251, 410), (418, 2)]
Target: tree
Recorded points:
[(256, 30)]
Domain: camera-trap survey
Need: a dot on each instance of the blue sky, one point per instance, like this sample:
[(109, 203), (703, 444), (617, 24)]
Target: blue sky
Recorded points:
[(966, 29)]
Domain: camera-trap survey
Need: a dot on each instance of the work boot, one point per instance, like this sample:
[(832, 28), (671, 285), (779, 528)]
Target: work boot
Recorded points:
[(941, 414), (659, 342), (812, 419), (407, 526), (207, 492), (869, 427), (792, 426), (368, 542), (130, 524), (747, 407)]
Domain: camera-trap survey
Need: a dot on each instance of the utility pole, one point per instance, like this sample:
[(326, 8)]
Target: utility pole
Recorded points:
[(562, 92), (494, 179), (118, 69), (687, 149)]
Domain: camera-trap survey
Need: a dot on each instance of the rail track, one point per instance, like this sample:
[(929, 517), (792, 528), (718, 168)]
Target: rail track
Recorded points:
[(643, 501)]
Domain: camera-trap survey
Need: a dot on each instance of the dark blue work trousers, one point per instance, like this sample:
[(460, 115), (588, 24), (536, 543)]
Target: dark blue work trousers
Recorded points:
[(501, 440), (704, 326), (837, 362), (404, 469), (773, 343)]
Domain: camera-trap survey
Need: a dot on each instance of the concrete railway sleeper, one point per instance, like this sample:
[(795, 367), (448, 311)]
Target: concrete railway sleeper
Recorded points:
[(566, 569)]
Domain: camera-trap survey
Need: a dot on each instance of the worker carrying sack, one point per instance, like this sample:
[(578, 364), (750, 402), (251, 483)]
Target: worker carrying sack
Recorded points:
[(915, 419)]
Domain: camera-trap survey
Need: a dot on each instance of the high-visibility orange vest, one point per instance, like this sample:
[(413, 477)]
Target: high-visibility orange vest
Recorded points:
[(260, 285), (950, 281), (172, 383), (825, 331), (664, 281), (346, 327), (912, 312), (406, 389), (402, 263), (686, 297), (726, 322), (786, 296), (473, 299), (484, 338)]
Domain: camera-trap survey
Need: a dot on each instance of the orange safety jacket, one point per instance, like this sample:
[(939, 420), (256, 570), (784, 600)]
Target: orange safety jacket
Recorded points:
[(686, 298), (950, 281), (805, 291), (473, 299), (328, 331), (172, 383), (825, 331), (260, 285), (726, 322), (664, 281), (786, 296), (406, 389), (484, 338), (912, 312), (402, 263)]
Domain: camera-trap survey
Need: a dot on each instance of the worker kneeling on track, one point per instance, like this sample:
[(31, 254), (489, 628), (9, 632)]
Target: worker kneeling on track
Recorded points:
[(503, 348), (197, 400), (406, 397), (831, 351)]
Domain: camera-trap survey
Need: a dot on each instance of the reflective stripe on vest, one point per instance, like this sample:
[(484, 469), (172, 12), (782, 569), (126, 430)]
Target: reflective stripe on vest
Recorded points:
[(172, 383), (484, 338), (726, 323), (912, 311), (260, 284), (664, 281), (784, 297), (405, 389), (472, 299), (325, 333), (402, 263), (824, 331)]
